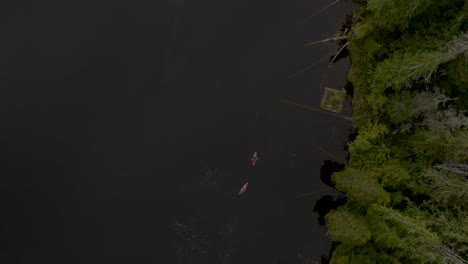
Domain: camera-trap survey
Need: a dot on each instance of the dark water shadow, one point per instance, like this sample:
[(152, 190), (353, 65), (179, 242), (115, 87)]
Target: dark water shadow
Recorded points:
[(327, 203), (327, 170)]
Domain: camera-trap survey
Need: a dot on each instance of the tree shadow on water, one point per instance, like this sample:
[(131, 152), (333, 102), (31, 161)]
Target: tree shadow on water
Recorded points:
[(327, 170), (325, 204)]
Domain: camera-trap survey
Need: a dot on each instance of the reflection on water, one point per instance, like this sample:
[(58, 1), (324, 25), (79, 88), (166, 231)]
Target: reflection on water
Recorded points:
[(191, 246), (224, 249), (194, 246), (209, 176), (292, 160)]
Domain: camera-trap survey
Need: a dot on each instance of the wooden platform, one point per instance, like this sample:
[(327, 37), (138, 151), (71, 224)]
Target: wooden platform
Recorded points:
[(333, 100)]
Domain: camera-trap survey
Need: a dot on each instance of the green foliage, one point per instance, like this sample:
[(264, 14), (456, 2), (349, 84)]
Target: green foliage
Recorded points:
[(391, 14), (367, 254), (439, 145), (368, 147), (445, 188), (361, 30), (406, 179), (451, 226), (347, 227), (402, 69), (394, 175), (407, 237), (361, 187), (403, 108), (454, 81)]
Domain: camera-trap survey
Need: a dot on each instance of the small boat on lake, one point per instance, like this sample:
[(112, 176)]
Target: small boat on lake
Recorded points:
[(254, 159), (243, 189)]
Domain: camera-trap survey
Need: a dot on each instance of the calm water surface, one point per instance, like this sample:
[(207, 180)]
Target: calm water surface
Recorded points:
[(127, 129)]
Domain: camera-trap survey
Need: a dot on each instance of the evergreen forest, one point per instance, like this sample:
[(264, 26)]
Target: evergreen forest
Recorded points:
[(406, 181)]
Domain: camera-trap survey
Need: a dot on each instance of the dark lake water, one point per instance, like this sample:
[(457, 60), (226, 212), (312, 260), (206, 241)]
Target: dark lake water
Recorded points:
[(127, 128)]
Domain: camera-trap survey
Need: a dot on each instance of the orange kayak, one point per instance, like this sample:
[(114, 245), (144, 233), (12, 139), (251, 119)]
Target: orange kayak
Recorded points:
[(243, 189), (254, 159)]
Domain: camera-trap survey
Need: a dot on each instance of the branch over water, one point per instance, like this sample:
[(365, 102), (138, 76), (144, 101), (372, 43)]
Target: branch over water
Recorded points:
[(320, 11), (315, 109)]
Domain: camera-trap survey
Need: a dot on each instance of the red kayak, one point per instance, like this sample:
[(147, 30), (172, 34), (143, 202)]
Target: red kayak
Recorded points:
[(254, 159), (243, 189)]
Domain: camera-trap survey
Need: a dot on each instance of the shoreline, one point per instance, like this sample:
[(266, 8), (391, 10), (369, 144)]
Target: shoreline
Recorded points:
[(412, 138)]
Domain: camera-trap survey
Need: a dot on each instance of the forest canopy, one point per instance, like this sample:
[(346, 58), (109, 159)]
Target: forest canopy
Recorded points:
[(406, 181)]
